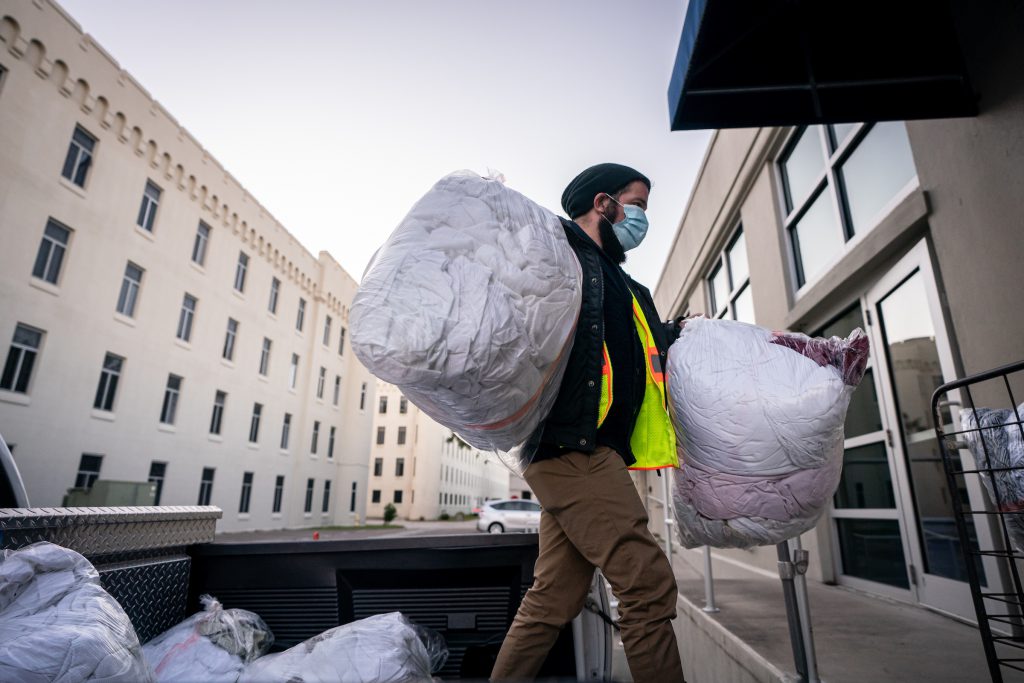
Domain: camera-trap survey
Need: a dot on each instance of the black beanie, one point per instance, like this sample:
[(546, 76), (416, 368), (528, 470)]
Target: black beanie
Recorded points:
[(578, 197)]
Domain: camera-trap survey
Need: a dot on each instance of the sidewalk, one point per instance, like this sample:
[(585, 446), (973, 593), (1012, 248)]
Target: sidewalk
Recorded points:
[(857, 637)]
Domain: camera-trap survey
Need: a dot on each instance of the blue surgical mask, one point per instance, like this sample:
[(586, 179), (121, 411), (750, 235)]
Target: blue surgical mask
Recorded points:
[(632, 229)]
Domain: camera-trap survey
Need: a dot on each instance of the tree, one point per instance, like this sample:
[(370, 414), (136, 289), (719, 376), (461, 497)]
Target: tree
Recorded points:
[(389, 513)]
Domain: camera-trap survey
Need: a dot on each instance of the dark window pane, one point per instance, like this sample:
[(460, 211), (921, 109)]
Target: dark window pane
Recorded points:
[(863, 416), (878, 169), (865, 482), (872, 549)]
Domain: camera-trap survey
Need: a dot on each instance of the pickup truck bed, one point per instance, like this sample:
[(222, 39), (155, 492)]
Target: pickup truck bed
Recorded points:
[(157, 561)]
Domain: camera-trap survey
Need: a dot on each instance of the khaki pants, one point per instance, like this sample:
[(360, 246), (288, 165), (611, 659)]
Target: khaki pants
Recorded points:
[(593, 517)]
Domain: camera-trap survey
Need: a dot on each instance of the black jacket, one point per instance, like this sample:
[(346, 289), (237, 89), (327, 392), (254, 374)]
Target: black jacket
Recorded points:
[(572, 422)]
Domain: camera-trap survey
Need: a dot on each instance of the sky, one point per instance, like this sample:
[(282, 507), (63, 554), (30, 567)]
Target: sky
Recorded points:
[(337, 115)]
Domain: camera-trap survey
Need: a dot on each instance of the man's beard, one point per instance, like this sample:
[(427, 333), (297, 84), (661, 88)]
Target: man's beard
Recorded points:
[(611, 243)]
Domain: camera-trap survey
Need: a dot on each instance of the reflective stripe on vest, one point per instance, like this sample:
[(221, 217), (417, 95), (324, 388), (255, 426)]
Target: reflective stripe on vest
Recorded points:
[(654, 439), (606, 386)]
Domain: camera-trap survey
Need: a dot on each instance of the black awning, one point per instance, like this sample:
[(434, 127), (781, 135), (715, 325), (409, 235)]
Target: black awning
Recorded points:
[(747, 63)]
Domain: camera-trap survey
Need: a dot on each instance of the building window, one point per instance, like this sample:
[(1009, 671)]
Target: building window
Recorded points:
[(130, 285), (50, 256), (326, 505), (300, 317), (375, 496), (147, 210), (836, 181), (157, 472), (265, 356), (228, 352), (401, 436), (206, 486), (341, 342), (286, 429), (330, 442), (398, 497), (199, 245), (240, 270), (254, 422), (243, 500), (378, 467), (110, 374), (352, 499), (88, 470), (362, 397), (169, 409), (380, 435), (275, 289), (327, 331), (293, 371), (309, 495), (21, 359), (403, 405), (217, 416), (400, 467), (729, 283), (188, 312), (337, 389), (278, 493), (316, 435), (382, 407), (79, 157), (321, 380)]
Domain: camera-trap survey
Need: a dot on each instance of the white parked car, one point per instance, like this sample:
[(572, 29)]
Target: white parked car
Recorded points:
[(499, 516)]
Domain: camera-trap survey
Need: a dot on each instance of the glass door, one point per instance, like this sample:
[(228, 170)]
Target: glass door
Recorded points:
[(912, 356), (869, 540)]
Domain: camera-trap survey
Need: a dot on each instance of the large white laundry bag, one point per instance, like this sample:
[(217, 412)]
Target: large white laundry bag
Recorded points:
[(469, 308), (759, 421)]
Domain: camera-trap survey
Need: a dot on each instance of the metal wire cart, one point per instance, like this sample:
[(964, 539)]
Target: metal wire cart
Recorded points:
[(981, 435)]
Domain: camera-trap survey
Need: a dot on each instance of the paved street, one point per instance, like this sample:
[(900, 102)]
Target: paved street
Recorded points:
[(406, 529)]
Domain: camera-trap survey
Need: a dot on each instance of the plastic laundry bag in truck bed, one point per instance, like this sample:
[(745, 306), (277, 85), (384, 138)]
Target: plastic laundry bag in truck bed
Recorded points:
[(386, 648), (998, 444), (759, 418), (213, 645), (469, 309), (58, 624)]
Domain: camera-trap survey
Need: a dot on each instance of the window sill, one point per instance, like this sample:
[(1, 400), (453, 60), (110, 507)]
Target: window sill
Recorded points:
[(314, 456), (291, 390), (243, 516), (170, 429), (216, 438), (145, 233), (103, 415), (239, 295), (262, 378), (183, 344), (325, 514), (307, 515), (275, 515), (320, 400), (283, 451), (123, 319), (44, 286), (197, 267), (80, 191), (253, 446), (15, 398), (298, 333), (271, 315), (227, 363)]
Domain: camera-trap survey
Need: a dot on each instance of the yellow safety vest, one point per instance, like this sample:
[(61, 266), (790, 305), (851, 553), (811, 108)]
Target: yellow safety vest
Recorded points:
[(654, 438)]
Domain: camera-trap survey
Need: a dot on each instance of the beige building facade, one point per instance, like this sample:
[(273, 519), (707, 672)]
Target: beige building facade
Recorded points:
[(422, 468), (158, 323), (910, 231)]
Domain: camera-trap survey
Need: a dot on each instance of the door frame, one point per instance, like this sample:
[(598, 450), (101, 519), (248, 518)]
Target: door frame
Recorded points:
[(935, 592)]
